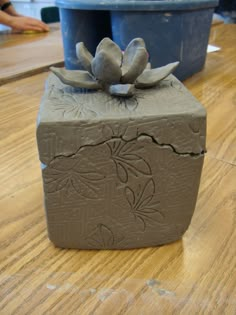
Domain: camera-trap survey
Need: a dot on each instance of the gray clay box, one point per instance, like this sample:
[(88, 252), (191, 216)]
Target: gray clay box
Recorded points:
[(120, 173)]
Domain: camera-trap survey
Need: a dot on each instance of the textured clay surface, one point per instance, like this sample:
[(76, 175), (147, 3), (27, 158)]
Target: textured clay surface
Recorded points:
[(120, 173)]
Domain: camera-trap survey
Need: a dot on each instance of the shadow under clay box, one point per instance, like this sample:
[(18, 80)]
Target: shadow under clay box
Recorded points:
[(120, 172), (173, 30)]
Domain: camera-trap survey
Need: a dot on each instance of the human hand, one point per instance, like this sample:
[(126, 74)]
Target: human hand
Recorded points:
[(23, 23)]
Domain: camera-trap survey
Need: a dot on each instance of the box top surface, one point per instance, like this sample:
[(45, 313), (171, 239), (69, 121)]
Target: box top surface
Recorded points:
[(62, 103), (70, 119)]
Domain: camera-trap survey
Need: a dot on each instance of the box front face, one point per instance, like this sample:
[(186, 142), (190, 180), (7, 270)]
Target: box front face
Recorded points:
[(120, 195), (120, 182)]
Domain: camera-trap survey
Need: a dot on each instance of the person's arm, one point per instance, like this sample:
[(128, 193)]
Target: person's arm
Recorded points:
[(5, 18), (11, 18), (10, 8)]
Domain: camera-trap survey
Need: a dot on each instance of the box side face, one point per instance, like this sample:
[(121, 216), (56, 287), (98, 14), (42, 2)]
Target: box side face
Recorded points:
[(120, 194)]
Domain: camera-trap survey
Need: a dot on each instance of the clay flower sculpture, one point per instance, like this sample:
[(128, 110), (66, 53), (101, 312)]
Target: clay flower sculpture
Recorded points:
[(113, 71)]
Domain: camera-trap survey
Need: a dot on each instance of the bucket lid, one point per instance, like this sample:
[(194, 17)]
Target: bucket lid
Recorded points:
[(137, 5)]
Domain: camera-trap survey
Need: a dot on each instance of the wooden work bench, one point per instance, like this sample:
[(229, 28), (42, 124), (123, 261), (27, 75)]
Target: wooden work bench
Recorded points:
[(23, 55), (196, 275)]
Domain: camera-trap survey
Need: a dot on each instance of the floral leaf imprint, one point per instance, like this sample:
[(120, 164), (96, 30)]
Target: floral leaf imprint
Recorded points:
[(140, 203), (64, 175), (126, 160), (102, 237), (129, 104), (114, 131), (71, 104)]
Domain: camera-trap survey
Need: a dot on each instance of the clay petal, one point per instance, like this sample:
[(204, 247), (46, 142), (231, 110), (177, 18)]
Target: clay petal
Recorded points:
[(105, 68), (125, 90), (135, 61), (84, 56), (150, 78), (130, 51), (76, 78), (111, 48)]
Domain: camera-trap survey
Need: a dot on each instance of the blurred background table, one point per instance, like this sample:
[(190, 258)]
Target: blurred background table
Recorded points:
[(23, 55), (196, 275)]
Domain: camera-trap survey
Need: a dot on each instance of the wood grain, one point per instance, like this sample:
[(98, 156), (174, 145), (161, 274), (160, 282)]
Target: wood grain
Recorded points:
[(216, 21), (195, 275), (215, 87), (23, 55)]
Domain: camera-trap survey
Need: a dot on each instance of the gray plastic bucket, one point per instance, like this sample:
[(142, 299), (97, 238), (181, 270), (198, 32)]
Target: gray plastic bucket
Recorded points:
[(173, 30)]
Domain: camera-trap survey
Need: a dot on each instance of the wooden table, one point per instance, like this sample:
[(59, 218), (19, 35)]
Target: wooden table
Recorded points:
[(23, 55), (196, 275)]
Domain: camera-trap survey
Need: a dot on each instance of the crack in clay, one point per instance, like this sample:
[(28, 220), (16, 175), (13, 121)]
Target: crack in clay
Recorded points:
[(165, 145)]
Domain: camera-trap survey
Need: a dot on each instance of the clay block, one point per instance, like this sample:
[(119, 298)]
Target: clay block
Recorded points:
[(120, 173)]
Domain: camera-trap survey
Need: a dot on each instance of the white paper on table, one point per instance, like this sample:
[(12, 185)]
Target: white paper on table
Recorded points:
[(211, 48)]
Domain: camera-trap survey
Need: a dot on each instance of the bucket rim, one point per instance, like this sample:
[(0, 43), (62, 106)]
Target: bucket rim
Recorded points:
[(137, 5)]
